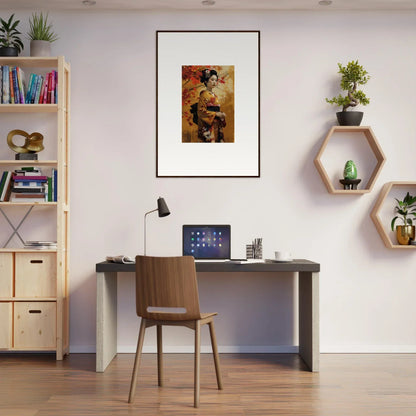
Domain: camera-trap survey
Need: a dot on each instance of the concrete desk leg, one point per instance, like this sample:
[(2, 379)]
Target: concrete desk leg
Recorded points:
[(106, 341), (309, 319)]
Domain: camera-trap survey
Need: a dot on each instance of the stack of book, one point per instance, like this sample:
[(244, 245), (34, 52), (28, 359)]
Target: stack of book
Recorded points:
[(27, 184), (40, 245), (41, 89)]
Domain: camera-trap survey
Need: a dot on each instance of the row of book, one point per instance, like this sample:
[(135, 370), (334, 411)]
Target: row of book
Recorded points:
[(41, 89), (27, 184)]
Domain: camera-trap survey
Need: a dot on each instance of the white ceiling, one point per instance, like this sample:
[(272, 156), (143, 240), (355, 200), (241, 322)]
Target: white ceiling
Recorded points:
[(219, 5)]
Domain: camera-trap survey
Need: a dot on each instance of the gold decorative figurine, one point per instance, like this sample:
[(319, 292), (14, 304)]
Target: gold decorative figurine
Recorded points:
[(33, 144)]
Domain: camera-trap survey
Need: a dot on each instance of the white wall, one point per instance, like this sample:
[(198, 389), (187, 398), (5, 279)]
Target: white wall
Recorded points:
[(366, 291)]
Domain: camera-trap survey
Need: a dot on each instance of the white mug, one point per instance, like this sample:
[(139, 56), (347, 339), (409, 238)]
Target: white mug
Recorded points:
[(282, 256)]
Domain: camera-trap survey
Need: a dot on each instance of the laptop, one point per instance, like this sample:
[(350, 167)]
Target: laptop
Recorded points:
[(207, 242), (210, 243)]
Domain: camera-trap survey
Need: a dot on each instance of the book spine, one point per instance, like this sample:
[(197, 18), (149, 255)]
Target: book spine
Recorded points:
[(45, 92), (15, 86), (6, 96), (1, 84), (50, 88), (38, 88), (11, 86), (6, 186), (30, 178), (20, 81), (29, 88), (55, 185), (3, 178), (56, 86), (49, 189), (35, 87)]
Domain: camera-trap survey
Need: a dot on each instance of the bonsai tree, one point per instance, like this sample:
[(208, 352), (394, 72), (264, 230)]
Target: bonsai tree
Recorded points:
[(406, 209), (40, 29), (352, 76), (9, 35)]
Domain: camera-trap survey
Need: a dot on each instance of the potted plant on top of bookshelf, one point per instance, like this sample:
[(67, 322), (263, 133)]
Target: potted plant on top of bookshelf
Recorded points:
[(352, 75), (10, 42), (41, 35), (406, 209)]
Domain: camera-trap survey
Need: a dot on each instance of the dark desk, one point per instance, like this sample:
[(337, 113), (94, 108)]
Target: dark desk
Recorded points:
[(308, 272)]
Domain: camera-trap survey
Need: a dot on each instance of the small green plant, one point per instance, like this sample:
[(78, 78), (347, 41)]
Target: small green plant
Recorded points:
[(352, 75), (40, 29), (9, 35), (406, 209)]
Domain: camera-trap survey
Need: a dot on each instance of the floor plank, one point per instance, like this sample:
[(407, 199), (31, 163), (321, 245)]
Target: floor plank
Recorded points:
[(254, 385)]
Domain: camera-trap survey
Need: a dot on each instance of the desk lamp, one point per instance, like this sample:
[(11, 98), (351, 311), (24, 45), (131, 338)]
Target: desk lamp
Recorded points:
[(163, 211)]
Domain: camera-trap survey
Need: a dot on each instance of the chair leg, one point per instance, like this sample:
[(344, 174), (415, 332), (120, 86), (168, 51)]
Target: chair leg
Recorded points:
[(197, 362), (215, 353), (137, 360), (159, 355)]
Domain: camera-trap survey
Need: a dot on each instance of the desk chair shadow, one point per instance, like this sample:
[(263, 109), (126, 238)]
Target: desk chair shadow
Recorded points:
[(167, 294)]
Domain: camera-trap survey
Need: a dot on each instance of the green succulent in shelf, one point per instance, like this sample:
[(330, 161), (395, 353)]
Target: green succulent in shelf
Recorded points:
[(9, 35), (40, 28), (406, 210), (352, 75)]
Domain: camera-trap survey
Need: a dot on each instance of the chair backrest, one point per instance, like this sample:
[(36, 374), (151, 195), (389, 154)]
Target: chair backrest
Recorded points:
[(167, 282)]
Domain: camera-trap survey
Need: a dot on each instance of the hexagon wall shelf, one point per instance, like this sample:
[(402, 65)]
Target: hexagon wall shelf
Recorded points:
[(374, 146), (383, 228)]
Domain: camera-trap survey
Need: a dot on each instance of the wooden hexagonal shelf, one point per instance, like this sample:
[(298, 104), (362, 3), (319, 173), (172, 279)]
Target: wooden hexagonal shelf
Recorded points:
[(383, 224), (367, 136)]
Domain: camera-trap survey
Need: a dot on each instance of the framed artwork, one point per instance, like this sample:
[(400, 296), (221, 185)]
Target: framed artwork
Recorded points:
[(208, 104)]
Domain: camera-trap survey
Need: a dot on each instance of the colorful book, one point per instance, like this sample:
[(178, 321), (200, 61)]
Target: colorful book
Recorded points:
[(5, 194), (30, 178), (21, 84), (29, 88), (45, 91), (6, 93), (2, 180), (55, 185), (50, 190), (11, 86), (15, 86)]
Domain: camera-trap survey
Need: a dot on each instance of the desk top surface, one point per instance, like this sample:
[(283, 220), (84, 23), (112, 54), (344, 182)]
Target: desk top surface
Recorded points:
[(297, 265)]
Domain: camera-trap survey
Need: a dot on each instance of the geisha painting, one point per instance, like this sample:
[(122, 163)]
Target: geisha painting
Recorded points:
[(207, 104)]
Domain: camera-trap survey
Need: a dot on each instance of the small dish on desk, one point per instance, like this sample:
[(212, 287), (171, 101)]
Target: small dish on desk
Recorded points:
[(280, 261)]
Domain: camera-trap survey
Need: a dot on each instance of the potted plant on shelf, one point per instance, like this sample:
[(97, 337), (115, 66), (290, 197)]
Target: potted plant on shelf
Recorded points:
[(406, 210), (352, 76), (10, 42), (41, 35)]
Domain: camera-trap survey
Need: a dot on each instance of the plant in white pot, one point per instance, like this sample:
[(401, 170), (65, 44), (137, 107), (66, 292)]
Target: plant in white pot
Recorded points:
[(352, 76), (41, 35), (407, 213), (10, 42)]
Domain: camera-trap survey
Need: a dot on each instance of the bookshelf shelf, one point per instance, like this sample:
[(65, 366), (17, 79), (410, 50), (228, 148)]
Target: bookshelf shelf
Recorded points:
[(28, 108), (16, 163), (34, 284)]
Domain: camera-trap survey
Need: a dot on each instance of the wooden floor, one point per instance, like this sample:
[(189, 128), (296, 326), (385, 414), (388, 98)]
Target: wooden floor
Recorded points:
[(263, 384)]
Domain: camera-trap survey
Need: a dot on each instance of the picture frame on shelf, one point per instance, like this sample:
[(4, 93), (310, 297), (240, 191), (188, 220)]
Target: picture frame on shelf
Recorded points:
[(208, 103)]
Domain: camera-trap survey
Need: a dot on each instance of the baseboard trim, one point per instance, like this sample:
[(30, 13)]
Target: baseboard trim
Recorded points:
[(368, 349)]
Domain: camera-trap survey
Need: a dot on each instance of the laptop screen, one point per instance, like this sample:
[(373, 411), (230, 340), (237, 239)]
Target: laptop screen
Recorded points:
[(206, 241)]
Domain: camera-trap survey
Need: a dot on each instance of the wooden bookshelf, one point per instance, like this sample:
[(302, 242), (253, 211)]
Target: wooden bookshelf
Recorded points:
[(34, 284)]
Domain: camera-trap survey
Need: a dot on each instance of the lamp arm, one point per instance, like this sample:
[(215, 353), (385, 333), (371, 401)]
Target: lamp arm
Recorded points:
[(144, 228)]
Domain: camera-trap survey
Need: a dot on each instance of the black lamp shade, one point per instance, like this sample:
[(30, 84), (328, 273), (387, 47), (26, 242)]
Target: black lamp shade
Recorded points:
[(162, 208)]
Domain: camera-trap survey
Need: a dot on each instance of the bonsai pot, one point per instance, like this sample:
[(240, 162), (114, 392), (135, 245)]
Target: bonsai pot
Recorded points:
[(40, 48), (8, 51), (405, 233), (349, 118)]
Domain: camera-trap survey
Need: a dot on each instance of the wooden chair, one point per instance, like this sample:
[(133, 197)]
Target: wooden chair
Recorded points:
[(167, 294)]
